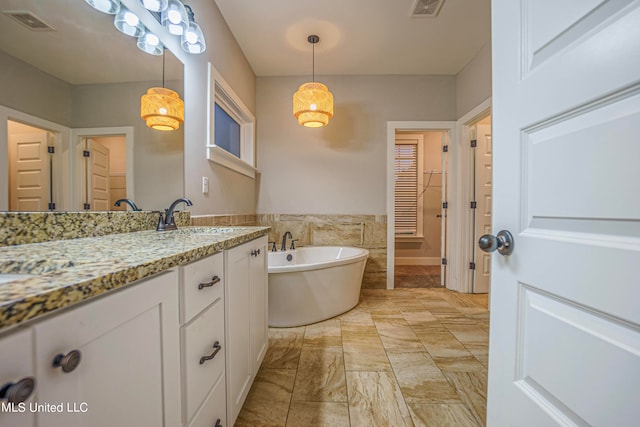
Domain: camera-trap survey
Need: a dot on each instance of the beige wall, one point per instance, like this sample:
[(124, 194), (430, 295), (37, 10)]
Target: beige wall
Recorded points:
[(429, 246), (341, 168), (473, 83), (158, 158), (229, 191), (27, 89)]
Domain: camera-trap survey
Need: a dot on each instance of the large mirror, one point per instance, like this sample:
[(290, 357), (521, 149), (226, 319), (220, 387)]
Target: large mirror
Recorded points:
[(71, 83)]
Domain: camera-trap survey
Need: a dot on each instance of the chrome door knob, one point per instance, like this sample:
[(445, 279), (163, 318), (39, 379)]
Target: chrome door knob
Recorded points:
[(503, 243)]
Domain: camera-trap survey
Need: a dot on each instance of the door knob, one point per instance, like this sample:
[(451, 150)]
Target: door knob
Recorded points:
[(67, 362), (503, 242), (19, 391)]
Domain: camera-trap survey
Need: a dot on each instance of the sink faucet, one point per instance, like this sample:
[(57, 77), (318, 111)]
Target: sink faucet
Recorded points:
[(169, 222), (284, 240), (129, 202)]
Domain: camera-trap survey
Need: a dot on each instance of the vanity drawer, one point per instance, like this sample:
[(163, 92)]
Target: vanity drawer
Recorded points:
[(201, 370), (202, 282), (213, 409)]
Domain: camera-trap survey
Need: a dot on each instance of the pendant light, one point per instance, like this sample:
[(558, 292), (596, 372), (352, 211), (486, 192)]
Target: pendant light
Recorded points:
[(162, 108), (175, 18), (192, 39), (313, 103)]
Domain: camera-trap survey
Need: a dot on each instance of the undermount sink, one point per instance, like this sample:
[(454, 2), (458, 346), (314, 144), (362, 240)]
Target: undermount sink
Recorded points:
[(5, 278)]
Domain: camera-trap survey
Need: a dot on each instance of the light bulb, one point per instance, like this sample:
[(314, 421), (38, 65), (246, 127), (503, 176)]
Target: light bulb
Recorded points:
[(191, 37), (152, 39), (131, 18), (162, 110), (174, 17), (313, 107)]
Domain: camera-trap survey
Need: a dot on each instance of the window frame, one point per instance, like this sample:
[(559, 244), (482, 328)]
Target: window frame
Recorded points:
[(418, 140), (220, 93)]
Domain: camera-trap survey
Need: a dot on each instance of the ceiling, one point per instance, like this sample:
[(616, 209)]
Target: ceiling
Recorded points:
[(357, 36), (84, 46)]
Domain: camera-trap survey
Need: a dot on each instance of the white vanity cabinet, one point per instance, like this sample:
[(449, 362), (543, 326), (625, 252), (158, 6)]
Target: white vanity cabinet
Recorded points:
[(246, 319), (17, 379), (128, 371), (203, 342)]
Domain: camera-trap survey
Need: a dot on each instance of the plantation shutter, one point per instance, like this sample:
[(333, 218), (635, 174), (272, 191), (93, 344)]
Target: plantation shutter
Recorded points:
[(406, 189)]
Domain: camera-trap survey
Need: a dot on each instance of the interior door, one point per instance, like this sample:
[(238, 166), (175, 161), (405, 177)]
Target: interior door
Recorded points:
[(565, 306), (29, 172), (98, 175), (482, 212)]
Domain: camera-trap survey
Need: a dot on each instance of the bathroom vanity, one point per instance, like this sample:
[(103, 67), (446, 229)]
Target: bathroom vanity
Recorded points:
[(136, 329)]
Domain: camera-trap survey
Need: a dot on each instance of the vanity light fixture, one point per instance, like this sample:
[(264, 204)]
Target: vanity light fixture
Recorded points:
[(105, 6), (175, 18), (162, 108), (155, 5), (150, 43), (193, 38), (313, 103), (128, 22)]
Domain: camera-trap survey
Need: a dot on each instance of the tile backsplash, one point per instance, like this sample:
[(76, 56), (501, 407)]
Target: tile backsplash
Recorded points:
[(362, 231), (17, 228)]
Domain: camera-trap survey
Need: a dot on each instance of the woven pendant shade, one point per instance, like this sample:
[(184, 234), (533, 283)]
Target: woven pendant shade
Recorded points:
[(162, 109), (313, 105)]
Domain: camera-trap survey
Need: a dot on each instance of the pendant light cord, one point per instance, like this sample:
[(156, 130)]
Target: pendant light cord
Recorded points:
[(313, 62), (163, 55)]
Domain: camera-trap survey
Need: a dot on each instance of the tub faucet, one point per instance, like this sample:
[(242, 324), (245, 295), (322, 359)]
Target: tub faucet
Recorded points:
[(129, 202), (169, 222), (284, 240)]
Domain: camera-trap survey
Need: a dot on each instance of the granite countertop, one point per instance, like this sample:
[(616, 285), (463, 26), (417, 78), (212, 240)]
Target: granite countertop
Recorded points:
[(66, 272)]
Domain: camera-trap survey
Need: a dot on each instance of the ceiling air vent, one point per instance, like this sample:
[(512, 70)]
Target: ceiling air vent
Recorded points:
[(426, 8), (28, 19)]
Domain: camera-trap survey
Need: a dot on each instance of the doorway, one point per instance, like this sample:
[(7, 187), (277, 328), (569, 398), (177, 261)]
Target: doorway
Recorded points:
[(420, 221), (30, 168), (433, 176), (103, 168)]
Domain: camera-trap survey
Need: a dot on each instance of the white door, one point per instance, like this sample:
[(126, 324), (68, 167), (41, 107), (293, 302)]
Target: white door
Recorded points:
[(98, 175), (482, 217), (565, 306), (29, 172)]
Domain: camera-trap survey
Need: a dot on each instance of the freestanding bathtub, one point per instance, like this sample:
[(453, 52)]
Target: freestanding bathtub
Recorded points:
[(313, 283)]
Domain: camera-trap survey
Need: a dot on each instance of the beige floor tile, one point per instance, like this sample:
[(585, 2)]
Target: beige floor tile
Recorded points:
[(321, 376), (440, 342), (442, 415), (427, 348), (460, 364), (397, 335), (323, 334), (472, 389), (420, 379), (268, 400), (284, 348), (318, 414), (375, 399), (363, 350)]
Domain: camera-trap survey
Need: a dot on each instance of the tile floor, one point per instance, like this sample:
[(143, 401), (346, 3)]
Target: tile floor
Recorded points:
[(417, 276), (404, 357)]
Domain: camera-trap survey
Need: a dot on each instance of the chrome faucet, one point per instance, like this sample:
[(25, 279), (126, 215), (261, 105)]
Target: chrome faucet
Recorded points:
[(284, 240), (169, 222), (129, 202)]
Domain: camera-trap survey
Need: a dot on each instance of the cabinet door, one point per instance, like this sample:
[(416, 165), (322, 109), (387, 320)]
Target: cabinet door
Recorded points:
[(259, 301), (16, 365), (128, 374), (237, 325)]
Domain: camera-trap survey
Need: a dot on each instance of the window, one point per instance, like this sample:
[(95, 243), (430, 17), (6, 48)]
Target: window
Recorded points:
[(227, 132), (408, 182), (231, 128)]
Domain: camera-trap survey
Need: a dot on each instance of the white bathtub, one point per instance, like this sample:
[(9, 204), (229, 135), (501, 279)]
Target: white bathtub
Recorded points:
[(317, 283)]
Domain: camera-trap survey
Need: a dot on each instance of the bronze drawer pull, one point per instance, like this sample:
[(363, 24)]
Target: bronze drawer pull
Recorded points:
[(19, 391), (214, 280), (67, 362), (217, 348)]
